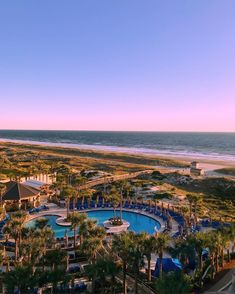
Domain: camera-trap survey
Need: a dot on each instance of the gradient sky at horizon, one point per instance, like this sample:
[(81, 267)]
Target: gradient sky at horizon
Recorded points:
[(117, 65)]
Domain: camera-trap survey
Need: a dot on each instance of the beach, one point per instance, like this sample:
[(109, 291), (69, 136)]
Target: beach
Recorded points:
[(209, 163)]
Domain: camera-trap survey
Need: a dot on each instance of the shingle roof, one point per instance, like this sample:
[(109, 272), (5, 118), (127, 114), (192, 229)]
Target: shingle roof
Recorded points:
[(17, 191)]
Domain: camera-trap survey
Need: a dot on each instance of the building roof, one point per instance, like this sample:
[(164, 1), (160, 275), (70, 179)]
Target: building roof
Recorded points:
[(34, 184), (17, 191)]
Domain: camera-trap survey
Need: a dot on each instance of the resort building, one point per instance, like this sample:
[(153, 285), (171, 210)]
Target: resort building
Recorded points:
[(20, 194), (195, 169)]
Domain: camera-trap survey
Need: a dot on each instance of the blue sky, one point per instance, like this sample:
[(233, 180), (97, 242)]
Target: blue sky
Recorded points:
[(118, 65)]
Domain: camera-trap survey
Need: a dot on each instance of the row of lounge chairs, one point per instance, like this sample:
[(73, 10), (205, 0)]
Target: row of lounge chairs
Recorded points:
[(38, 209), (61, 289), (165, 214)]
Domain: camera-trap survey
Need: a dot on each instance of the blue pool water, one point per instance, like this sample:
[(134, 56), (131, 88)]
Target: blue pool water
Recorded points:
[(138, 223)]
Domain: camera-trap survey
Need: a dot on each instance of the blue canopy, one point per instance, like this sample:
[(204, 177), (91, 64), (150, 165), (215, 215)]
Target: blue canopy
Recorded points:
[(168, 265)]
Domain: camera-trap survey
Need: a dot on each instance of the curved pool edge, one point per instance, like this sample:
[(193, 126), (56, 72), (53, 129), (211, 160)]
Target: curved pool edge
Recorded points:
[(61, 213)]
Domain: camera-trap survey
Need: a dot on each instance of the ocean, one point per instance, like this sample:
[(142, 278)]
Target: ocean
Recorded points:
[(220, 146)]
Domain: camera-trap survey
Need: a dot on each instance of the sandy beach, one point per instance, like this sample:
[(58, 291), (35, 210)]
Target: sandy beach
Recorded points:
[(207, 163)]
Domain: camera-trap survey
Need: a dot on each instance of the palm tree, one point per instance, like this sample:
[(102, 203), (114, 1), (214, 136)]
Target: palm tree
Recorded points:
[(121, 246), (174, 283), (41, 223), (76, 220), (2, 190), (149, 246), (103, 268), (194, 200), (214, 252), (115, 199), (21, 277), (91, 247), (228, 236), (55, 258), (162, 243), (121, 187), (190, 198), (67, 192), (136, 255), (14, 227), (200, 242)]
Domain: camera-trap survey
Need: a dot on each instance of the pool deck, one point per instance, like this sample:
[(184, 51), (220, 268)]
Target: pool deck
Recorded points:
[(61, 212)]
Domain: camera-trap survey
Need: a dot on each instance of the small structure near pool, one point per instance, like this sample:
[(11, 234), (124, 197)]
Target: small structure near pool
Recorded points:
[(19, 194), (112, 228)]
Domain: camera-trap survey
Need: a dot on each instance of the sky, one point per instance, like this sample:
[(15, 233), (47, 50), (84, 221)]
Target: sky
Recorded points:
[(146, 65)]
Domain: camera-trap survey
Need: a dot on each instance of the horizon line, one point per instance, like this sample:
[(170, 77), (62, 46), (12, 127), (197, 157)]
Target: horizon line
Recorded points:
[(118, 131)]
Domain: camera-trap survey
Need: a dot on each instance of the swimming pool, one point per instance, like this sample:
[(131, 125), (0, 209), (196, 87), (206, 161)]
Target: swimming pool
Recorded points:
[(138, 223)]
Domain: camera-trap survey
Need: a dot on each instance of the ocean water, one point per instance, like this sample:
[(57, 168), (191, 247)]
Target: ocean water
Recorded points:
[(205, 145)]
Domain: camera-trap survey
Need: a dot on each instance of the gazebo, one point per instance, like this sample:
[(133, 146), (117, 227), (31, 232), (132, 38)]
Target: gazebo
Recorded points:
[(20, 194)]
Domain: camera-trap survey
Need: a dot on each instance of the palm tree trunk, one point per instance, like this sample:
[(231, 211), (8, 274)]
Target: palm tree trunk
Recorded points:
[(228, 255), (149, 270), (121, 207), (67, 207), (200, 268), (75, 237), (113, 284), (200, 261), (216, 262), (160, 264), (190, 210), (222, 257), (213, 266), (124, 279), (16, 249), (74, 204), (136, 282), (81, 240)]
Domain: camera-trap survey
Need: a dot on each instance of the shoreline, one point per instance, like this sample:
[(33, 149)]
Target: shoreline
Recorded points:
[(207, 162)]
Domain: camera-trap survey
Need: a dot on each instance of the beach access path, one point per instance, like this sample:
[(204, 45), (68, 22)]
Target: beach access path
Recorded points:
[(114, 178)]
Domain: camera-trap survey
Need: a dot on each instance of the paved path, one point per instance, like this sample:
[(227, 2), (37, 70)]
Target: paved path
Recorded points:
[(131, 284), (223, 283)]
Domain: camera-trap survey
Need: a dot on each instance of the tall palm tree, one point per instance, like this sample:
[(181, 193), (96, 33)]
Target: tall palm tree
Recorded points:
[(85, 229), (213, 250), (162, 243), (103, 268), (199, 242), (67, 192), (2, 190), (149, 246), (115, 199), (121, 246), (14, 228), (91, 247), (41, 223), (136, 256), (228, 235), (76, 220), (194, 200), (121, 187)]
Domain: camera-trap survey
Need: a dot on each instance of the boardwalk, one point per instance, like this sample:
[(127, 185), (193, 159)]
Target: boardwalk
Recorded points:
[(111, 179)]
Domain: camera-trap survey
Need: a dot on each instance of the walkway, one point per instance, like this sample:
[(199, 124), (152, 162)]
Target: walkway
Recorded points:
[(223, 284), (111, 179)]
